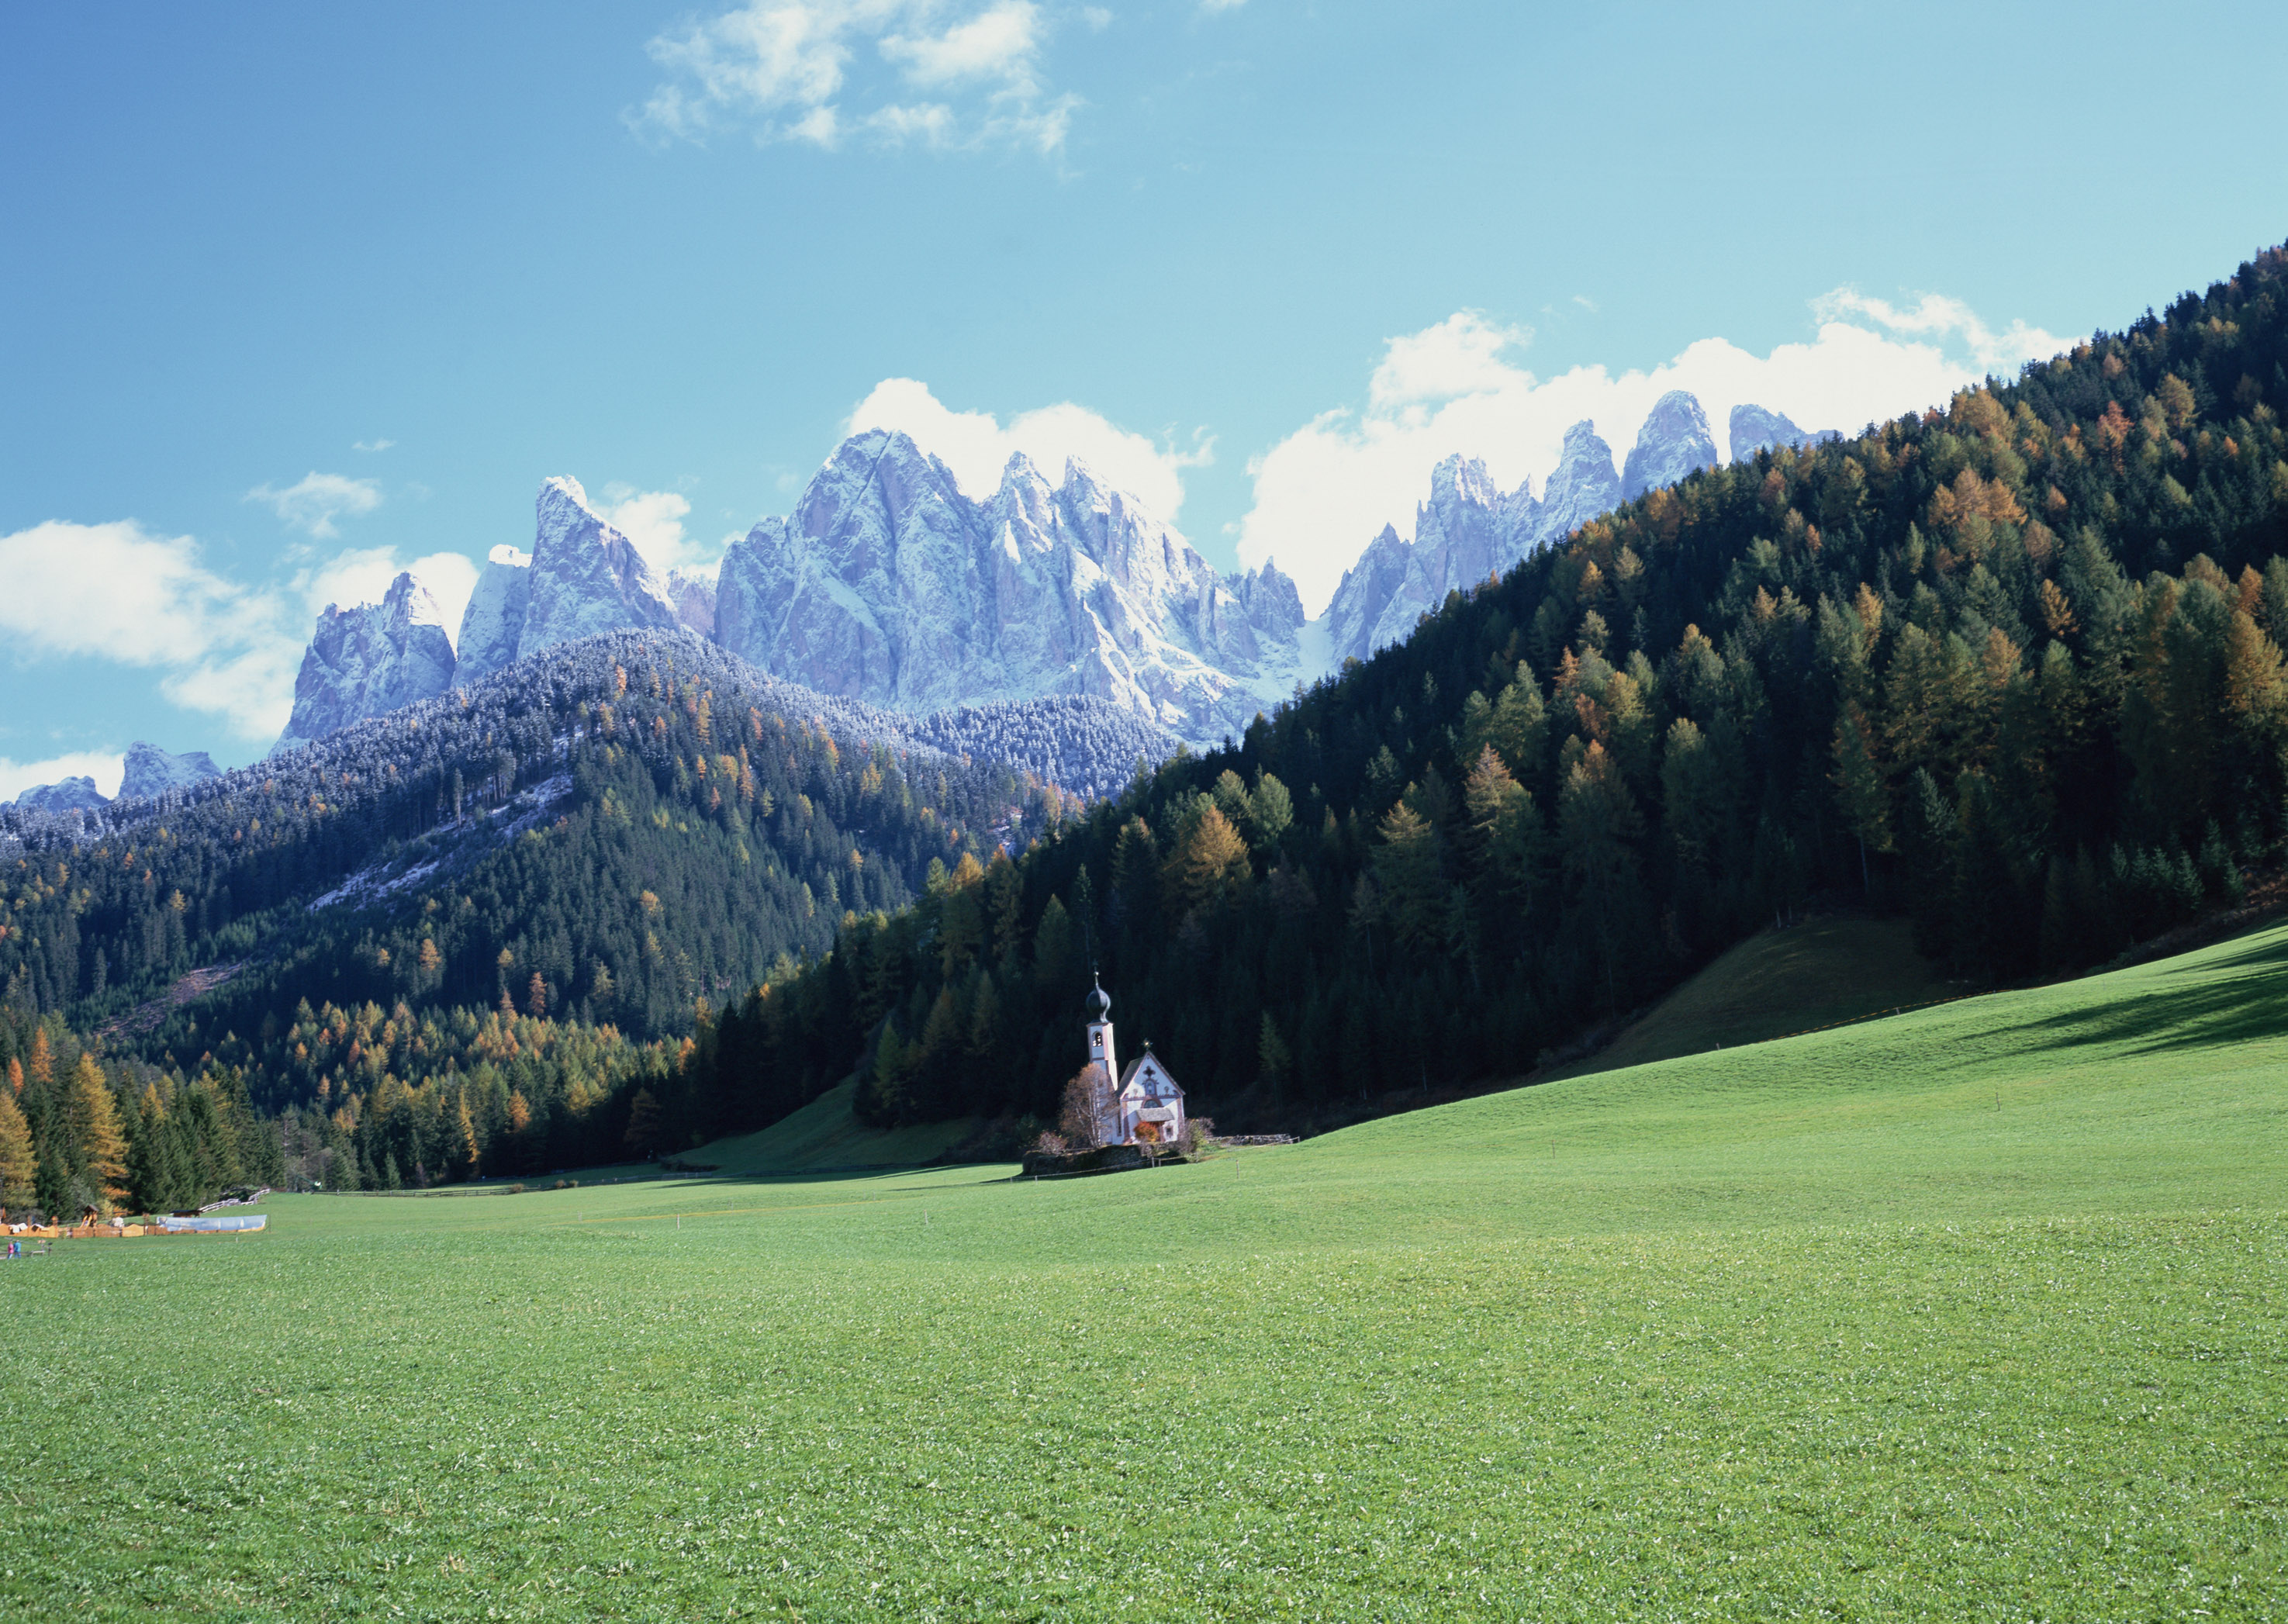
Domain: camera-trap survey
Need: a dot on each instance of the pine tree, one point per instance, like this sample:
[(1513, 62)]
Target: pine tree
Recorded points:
[(465, 1139), (642, 1136), (1274, 1062), (18, 1165), (1211, 865), (1503, 834), (1413, 891), (101, 1144), (1859, 789), (1270, 813), (1597, 823)]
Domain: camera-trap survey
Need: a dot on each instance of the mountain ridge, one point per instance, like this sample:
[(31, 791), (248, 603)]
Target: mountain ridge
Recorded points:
[(887, 582)]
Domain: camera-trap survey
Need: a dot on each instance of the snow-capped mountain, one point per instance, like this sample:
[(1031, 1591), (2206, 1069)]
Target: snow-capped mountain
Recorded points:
[(1754, 429), (1673, 441), (581, 577), (72, 795), (888, 583), (692, 594), (152, 772), (586, 576), (1469, 530), (495, 618), (369, 659)]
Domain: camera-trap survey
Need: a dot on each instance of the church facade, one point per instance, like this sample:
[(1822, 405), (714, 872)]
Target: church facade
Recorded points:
[(1147, 1105)]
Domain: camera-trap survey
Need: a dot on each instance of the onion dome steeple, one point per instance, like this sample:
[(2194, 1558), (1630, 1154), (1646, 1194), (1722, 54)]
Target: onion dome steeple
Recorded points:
[(1098, 1003)]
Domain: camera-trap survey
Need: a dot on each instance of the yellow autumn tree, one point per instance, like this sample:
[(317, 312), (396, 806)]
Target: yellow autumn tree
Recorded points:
[(18, 1165), (465, 1135), (100, 1140), (1209, 865)]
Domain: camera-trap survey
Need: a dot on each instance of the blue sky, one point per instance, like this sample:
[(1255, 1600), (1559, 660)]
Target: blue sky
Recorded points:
[(1269, 259)]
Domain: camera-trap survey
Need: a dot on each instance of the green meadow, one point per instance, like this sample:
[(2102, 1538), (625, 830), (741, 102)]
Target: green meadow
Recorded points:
[(1978, 1312)]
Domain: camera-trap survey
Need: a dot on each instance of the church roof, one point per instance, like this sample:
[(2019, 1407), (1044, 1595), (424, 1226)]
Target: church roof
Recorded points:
[(1128, 1075)]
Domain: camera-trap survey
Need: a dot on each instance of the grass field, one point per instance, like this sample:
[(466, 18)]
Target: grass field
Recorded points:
[(824, 1136), (1977, 1312), (1826, 970)]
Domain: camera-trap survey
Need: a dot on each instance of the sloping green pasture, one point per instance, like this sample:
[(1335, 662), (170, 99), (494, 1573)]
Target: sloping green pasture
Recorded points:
[(1974, 1313), (1814, 974)]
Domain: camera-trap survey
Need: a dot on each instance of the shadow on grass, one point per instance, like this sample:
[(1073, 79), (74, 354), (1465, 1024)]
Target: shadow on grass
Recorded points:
[(2264, 949), (2233, 1008)]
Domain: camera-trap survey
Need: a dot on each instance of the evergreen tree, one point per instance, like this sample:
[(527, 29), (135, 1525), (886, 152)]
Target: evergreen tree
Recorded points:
[(18, 1165), (102, 1146)]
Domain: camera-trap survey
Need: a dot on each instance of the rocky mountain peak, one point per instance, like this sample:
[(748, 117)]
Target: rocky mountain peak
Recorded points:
[(494, 620), (586, 576), (1673, 441), (1754, 429), (152, 772), (72, 795), (368, 659), (692, 594), (888, 583)]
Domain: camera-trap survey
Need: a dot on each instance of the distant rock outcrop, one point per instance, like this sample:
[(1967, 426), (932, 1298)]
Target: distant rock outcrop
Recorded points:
[(888, 583), (692, 594), (152, 772), (1582, 485), (1467, 531), (1673, 441), (72, 795), (586, 576), (494, 620), (369, 659), (1754, 429)]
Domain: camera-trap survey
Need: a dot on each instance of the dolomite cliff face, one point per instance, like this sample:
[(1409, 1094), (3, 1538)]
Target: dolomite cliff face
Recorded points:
[(888, 583), (1469, 530), (494, 620), (586, 576), (151, 772), (368, 659)]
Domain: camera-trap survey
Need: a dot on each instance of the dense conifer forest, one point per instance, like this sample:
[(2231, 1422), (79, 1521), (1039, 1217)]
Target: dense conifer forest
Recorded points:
[(2012, 666), (465, 937)]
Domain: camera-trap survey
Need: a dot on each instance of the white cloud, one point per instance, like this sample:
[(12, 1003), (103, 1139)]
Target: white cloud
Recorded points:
[(654, 521), (114, 591), (1323, 493), (105, 767), (1459, 356), (1936, 315), (976, 447), (312, 503), (784, 67), (373, 445), (999, 44), (1212, 6)]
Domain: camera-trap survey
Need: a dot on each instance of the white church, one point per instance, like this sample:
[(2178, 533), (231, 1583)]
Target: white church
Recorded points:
[(1147, 1107)]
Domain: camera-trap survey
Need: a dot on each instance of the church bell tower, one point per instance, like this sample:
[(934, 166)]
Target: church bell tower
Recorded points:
[(1100, 1031)]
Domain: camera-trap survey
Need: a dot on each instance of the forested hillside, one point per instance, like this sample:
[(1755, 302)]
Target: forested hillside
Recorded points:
[(2013, 666), (463, 936)]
